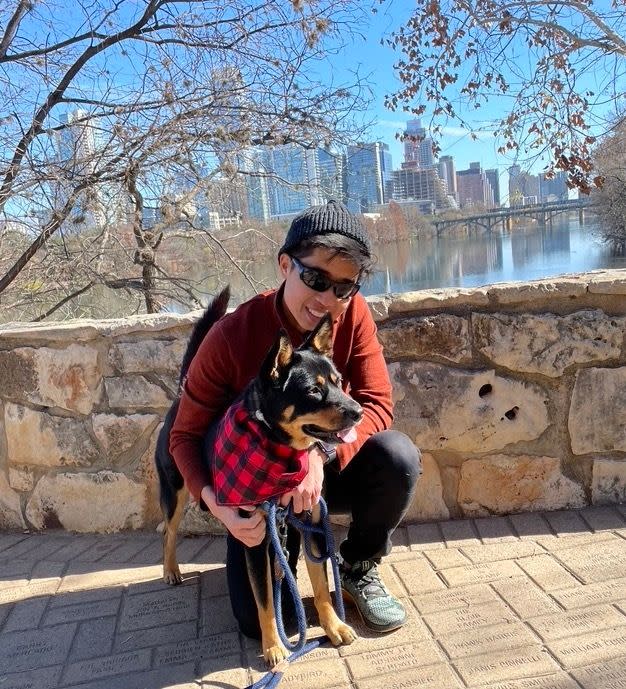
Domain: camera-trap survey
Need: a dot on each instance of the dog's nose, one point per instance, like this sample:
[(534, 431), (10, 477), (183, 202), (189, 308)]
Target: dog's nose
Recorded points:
[(355, 413)]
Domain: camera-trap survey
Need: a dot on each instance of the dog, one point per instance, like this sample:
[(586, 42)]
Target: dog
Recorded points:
[(297, 400)]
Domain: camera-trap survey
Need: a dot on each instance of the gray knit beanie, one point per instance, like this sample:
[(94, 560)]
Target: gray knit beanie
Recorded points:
[(331, 218)]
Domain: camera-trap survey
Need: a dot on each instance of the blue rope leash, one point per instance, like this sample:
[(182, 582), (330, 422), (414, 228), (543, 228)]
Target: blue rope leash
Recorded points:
[(299, 648)]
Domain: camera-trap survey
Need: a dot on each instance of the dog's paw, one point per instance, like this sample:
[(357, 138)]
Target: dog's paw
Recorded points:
[(274, 654), (340, 633), (173, 577)]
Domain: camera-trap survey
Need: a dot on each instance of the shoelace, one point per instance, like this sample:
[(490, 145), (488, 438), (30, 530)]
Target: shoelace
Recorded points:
[(369, 584)]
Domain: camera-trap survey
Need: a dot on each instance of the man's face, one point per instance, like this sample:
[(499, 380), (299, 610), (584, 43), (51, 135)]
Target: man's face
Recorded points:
[(303, 304)]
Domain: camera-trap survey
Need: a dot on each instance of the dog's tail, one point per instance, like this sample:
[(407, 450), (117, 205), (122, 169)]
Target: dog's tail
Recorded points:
[(214, 311)]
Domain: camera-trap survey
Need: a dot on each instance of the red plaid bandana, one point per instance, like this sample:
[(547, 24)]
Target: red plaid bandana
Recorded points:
[(247, 466)]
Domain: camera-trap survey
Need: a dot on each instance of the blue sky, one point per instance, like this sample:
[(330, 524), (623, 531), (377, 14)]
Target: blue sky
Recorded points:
[(371, 58)]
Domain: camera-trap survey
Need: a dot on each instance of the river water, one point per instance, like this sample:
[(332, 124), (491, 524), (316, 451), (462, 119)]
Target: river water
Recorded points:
[(524, 253)]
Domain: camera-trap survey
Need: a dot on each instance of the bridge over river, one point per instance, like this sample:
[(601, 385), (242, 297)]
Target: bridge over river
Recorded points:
[(542, 212)]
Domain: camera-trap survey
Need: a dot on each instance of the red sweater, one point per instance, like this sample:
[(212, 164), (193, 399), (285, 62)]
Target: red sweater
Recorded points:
[(231, 356)]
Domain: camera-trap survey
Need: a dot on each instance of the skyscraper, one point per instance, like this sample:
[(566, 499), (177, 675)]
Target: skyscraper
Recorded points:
[(368, 168), (493, 176), (418, 152), (473, 187), (447, 171), (425, 186), (76, 148), (554, 188)]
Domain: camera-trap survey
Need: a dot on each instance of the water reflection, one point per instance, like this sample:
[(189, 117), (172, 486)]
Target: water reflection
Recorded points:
[(480, 258)]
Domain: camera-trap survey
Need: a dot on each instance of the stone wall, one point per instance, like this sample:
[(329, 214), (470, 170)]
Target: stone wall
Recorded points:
[(516, 394)]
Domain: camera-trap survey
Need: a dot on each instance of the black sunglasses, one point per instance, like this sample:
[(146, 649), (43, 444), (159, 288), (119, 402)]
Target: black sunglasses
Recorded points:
[(316, 280)]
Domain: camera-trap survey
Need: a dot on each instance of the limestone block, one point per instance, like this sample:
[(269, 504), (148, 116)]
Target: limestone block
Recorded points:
[(407, 302), (68, 378), (548, 343), (428, 503), (21, 479), (39, 439), (607, 282), (608, 482), (565, 287), (427, 336), (196, 522), (101, 502), (118, 434), (501, 484), (146, 356), (470, 411), (135, 392), (10, 508), (597, 415)]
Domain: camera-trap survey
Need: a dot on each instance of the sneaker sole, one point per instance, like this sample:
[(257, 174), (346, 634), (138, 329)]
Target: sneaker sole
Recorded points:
[(347, 596)]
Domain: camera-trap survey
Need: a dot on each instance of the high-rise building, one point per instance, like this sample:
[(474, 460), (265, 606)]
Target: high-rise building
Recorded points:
[(423, 185), (473, 187), (553, 188), (76, 159), (418, 148), (368, 168), (447, 171), (493, 176), (331, 167), (523, 187)]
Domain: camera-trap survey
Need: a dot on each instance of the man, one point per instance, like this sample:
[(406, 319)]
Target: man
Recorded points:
[(325, 256)]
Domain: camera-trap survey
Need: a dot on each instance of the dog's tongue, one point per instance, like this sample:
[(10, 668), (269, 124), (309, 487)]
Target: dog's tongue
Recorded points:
[(348, 436)]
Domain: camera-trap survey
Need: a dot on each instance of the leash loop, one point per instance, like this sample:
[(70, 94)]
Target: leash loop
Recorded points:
[(277, 520)]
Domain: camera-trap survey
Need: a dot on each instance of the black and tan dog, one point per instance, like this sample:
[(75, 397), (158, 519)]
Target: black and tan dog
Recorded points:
[(298, 396)]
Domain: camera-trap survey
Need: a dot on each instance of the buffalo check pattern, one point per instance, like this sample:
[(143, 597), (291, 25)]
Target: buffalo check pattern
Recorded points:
[(248, 467)]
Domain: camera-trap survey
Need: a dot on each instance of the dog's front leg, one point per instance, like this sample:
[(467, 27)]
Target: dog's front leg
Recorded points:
[(258, 562), (337, 631)]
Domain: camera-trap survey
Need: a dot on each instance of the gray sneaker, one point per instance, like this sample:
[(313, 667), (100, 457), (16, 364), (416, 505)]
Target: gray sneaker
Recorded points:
[(361, 584)]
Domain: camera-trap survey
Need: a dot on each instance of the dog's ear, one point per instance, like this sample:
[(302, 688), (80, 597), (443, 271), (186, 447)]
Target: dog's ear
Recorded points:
[(321, 338), (277, 358)]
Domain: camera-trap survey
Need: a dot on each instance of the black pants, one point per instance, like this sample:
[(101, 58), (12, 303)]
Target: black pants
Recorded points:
[(376, 488)]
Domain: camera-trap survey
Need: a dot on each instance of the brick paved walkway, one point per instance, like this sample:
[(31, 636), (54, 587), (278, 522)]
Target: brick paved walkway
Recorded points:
[(525, 602)]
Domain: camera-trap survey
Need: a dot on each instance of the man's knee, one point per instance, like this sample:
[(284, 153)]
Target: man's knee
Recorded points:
[(397, 455)]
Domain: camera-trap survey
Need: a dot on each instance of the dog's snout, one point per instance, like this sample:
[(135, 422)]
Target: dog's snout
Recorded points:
[(355, 412)]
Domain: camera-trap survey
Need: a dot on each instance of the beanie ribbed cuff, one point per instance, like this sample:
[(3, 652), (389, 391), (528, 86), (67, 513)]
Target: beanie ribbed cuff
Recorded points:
[(331, 218)]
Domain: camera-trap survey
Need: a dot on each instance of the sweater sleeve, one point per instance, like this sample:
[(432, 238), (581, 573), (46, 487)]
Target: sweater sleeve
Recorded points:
[(369, 383), (207, 391)]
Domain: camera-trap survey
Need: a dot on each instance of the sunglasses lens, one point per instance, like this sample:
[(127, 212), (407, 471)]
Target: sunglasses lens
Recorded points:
[(315, 280), (345, 291)]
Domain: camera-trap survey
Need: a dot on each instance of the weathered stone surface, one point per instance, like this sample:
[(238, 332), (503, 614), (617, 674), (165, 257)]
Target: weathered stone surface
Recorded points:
[(135, 392), (10, 509), (21, 479), (608, 482), (428, 503), (442, 336), (101, 502), (565, 287), (597, 416), (147, 356), (500, 484), (437, 299), (606, 282), (35, 438), (118, 434), (444, 408), (547, 343), (66, 378), (146, 473)]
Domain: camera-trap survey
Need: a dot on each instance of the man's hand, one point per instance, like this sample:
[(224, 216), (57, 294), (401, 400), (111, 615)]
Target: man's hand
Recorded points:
[(308, 493), (249, 530)]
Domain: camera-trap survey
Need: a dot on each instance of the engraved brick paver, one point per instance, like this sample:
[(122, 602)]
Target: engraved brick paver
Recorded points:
[(586, 649), (529, 601), (529, 661), (591, 594), (564, 624)]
